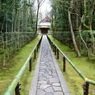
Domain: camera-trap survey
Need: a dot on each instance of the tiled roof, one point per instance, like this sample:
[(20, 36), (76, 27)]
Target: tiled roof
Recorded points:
[(46, 19)]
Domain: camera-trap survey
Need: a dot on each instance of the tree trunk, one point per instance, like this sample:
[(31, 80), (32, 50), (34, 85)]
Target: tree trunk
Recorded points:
[(37, 18), (77, 19), (0, 4), (73, 36), (90, 22), (83, 40), (24, 18), (38, 7)]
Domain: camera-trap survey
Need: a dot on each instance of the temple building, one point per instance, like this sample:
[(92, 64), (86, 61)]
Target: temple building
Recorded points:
[(44, 26)]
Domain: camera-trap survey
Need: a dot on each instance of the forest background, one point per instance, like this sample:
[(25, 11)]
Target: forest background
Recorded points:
[(73, 24)]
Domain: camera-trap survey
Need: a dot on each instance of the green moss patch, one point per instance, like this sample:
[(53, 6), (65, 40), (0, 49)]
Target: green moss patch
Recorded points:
[(86, 66), (9, 71)]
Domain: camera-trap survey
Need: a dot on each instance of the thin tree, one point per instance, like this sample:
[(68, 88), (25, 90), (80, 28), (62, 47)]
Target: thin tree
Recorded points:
[(39, 3), (71, 27)]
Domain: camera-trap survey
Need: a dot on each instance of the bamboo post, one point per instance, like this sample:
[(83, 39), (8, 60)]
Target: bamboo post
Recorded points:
[(64, 64), (86, 88), (57, 54), (53, 47), (30, 64), (37, 47), (17, 89), (35, 54), (55, 50)]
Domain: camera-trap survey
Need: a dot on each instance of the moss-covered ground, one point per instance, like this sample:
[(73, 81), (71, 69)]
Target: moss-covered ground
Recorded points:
[(9, 71), (87, 67)]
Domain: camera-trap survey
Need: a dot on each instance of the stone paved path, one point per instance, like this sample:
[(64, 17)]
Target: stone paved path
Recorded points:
[(46, 81)]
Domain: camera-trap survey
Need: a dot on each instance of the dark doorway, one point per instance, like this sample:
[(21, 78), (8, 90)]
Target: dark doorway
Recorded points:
[(44, 30)]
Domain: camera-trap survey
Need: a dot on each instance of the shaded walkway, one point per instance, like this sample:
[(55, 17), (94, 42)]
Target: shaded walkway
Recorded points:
[(48, 79)]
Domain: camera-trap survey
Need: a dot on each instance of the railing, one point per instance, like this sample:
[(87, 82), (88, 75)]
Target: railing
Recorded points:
[(15, 85), (56, 49)]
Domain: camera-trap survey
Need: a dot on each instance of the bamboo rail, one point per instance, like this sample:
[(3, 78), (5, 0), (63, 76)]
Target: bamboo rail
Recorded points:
[(15, 83)]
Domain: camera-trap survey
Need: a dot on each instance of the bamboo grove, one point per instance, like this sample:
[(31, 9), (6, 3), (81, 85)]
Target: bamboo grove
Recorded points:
[(74, 21), (17, 26)]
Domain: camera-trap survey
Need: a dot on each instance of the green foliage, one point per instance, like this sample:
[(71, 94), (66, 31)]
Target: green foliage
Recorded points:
[(11, 15), (59, 17), (9, 71), (64, 37), (14, 42), (63, 47), (17, 26), (29, 29), (82, 19)]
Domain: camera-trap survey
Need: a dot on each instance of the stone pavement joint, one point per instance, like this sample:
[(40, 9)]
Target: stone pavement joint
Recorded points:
[(48, 81)]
